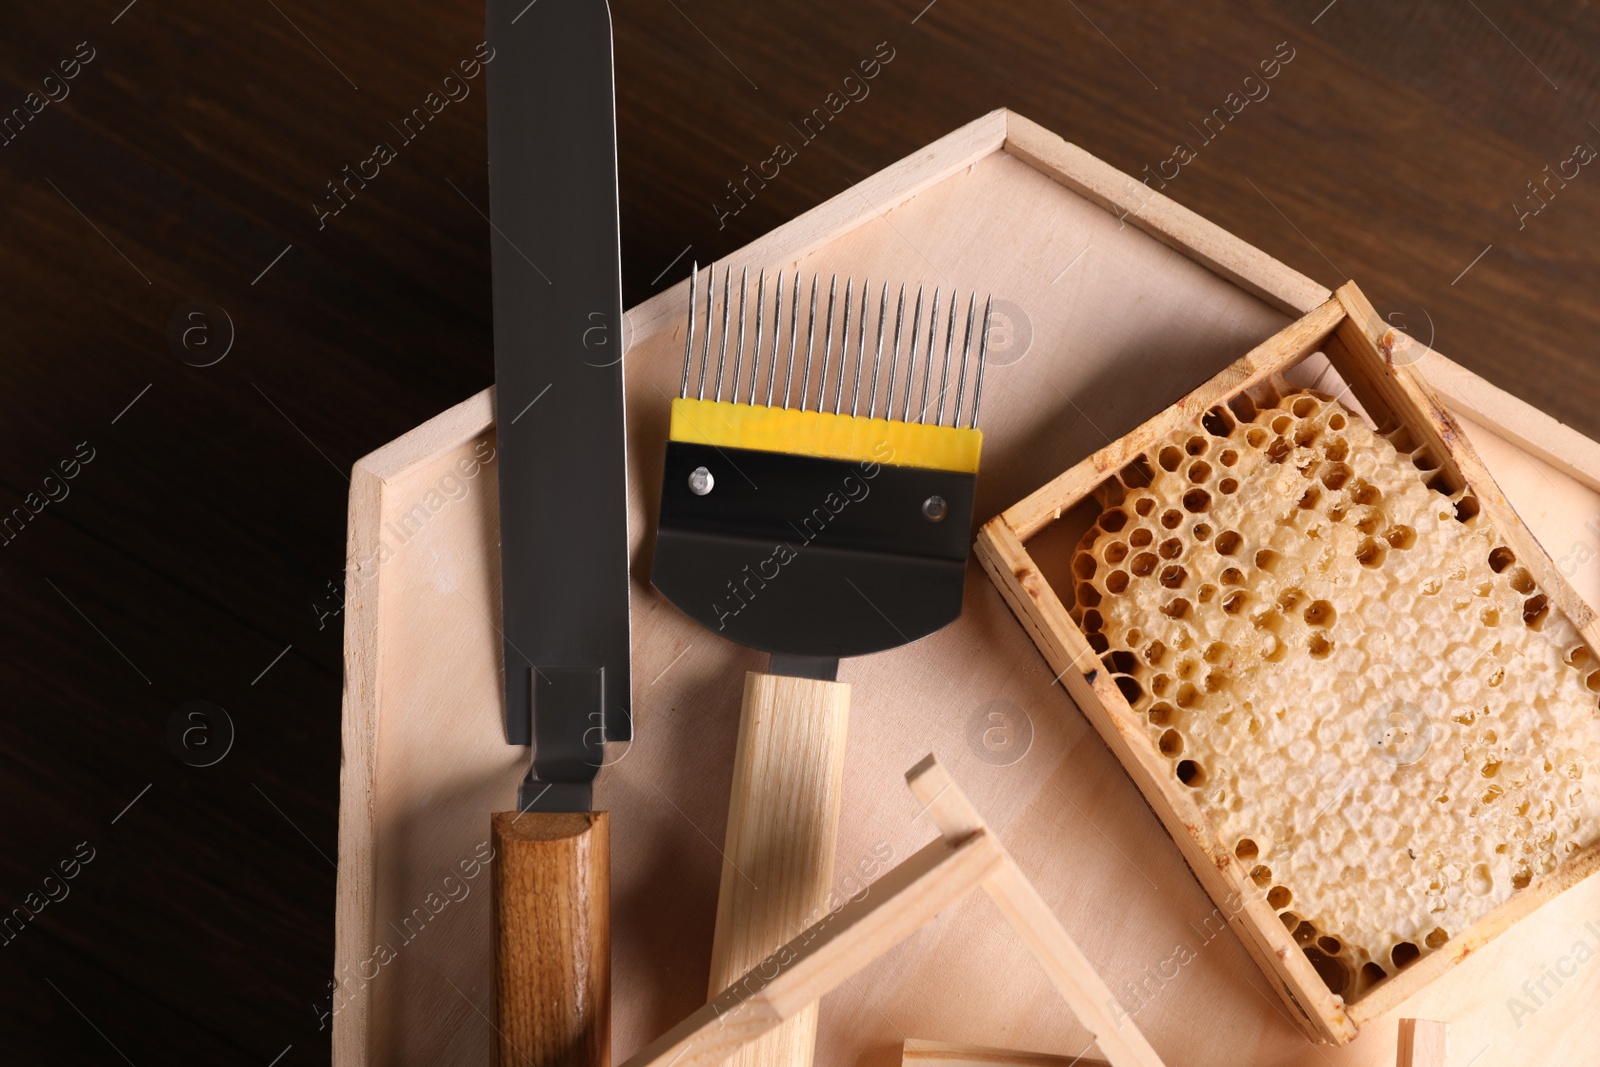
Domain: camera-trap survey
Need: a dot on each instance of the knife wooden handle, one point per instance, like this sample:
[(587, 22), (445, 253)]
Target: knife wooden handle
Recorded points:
[(552, 939), (783, 817)]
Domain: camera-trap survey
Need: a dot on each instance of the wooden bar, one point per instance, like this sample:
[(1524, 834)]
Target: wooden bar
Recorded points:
[(941, 1054), (826, 954), (1163, 218), (1530, 429), (1422, 1043), (1365, 331), (783, 821), (1070, 971)]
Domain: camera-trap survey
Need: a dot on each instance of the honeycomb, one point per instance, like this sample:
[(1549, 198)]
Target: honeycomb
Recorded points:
[(1374, 704)]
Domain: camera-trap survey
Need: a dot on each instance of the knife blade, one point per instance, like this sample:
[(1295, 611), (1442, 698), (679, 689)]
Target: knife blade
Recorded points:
[(558, 379), (557, 290)]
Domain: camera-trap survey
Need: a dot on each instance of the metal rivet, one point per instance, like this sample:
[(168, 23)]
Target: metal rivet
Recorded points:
[(701, 482), (934, 509)]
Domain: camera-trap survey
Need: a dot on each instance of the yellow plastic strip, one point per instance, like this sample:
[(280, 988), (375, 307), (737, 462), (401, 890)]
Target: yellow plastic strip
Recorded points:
[(826, 435)]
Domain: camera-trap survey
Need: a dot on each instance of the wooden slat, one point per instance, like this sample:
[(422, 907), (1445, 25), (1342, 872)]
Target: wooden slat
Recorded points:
[(442, 433), (1070, 971), (916, 1051), (1514, 419), (355, 887), (783, 822), (823, 957), (827, 953), (1163, 218), (1403, 389), (1422, 1043)]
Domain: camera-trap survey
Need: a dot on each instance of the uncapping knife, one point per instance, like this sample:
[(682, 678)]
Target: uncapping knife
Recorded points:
[(563, 516)]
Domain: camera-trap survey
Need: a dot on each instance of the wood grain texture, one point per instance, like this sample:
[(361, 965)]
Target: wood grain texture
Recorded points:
[(1092, 1002), (1169, 222), (552, 939), (850, 937), (783, 820), (1535, 432), (1422, 1043), (826, 954), (944, 1054)]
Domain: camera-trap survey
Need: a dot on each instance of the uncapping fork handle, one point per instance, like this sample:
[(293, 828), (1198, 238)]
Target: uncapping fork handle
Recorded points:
[(783, 820)]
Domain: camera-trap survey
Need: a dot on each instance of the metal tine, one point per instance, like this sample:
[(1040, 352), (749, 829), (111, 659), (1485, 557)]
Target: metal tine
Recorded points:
[(738, 355), (827, 340), (983, 354), (949, 343), (777, 320), (966, 350), (755, 349), (794, 327), (861, 354), (927, 374), (844, 341), (877, 353), (811, 341), (911, 360), (894, 359), (688, 344), (727, 299), (844, 352), (861, 351), (705, 344)]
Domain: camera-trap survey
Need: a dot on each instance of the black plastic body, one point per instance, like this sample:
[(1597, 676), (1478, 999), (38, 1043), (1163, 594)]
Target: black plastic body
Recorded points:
[(801, 556)]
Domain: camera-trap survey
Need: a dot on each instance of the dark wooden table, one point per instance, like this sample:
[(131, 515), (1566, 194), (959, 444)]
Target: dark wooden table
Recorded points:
[(180, 528)]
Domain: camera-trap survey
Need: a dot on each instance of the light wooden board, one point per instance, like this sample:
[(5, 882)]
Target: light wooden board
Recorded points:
[(1122, 324), (1423, 1043), (944, 1054)]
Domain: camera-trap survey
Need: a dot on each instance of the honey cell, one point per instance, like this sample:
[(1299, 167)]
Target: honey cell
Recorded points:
[(1375, 663)]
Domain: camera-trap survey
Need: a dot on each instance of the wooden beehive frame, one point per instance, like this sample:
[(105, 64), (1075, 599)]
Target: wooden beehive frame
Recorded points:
[(1361, 348), (965, 856)]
